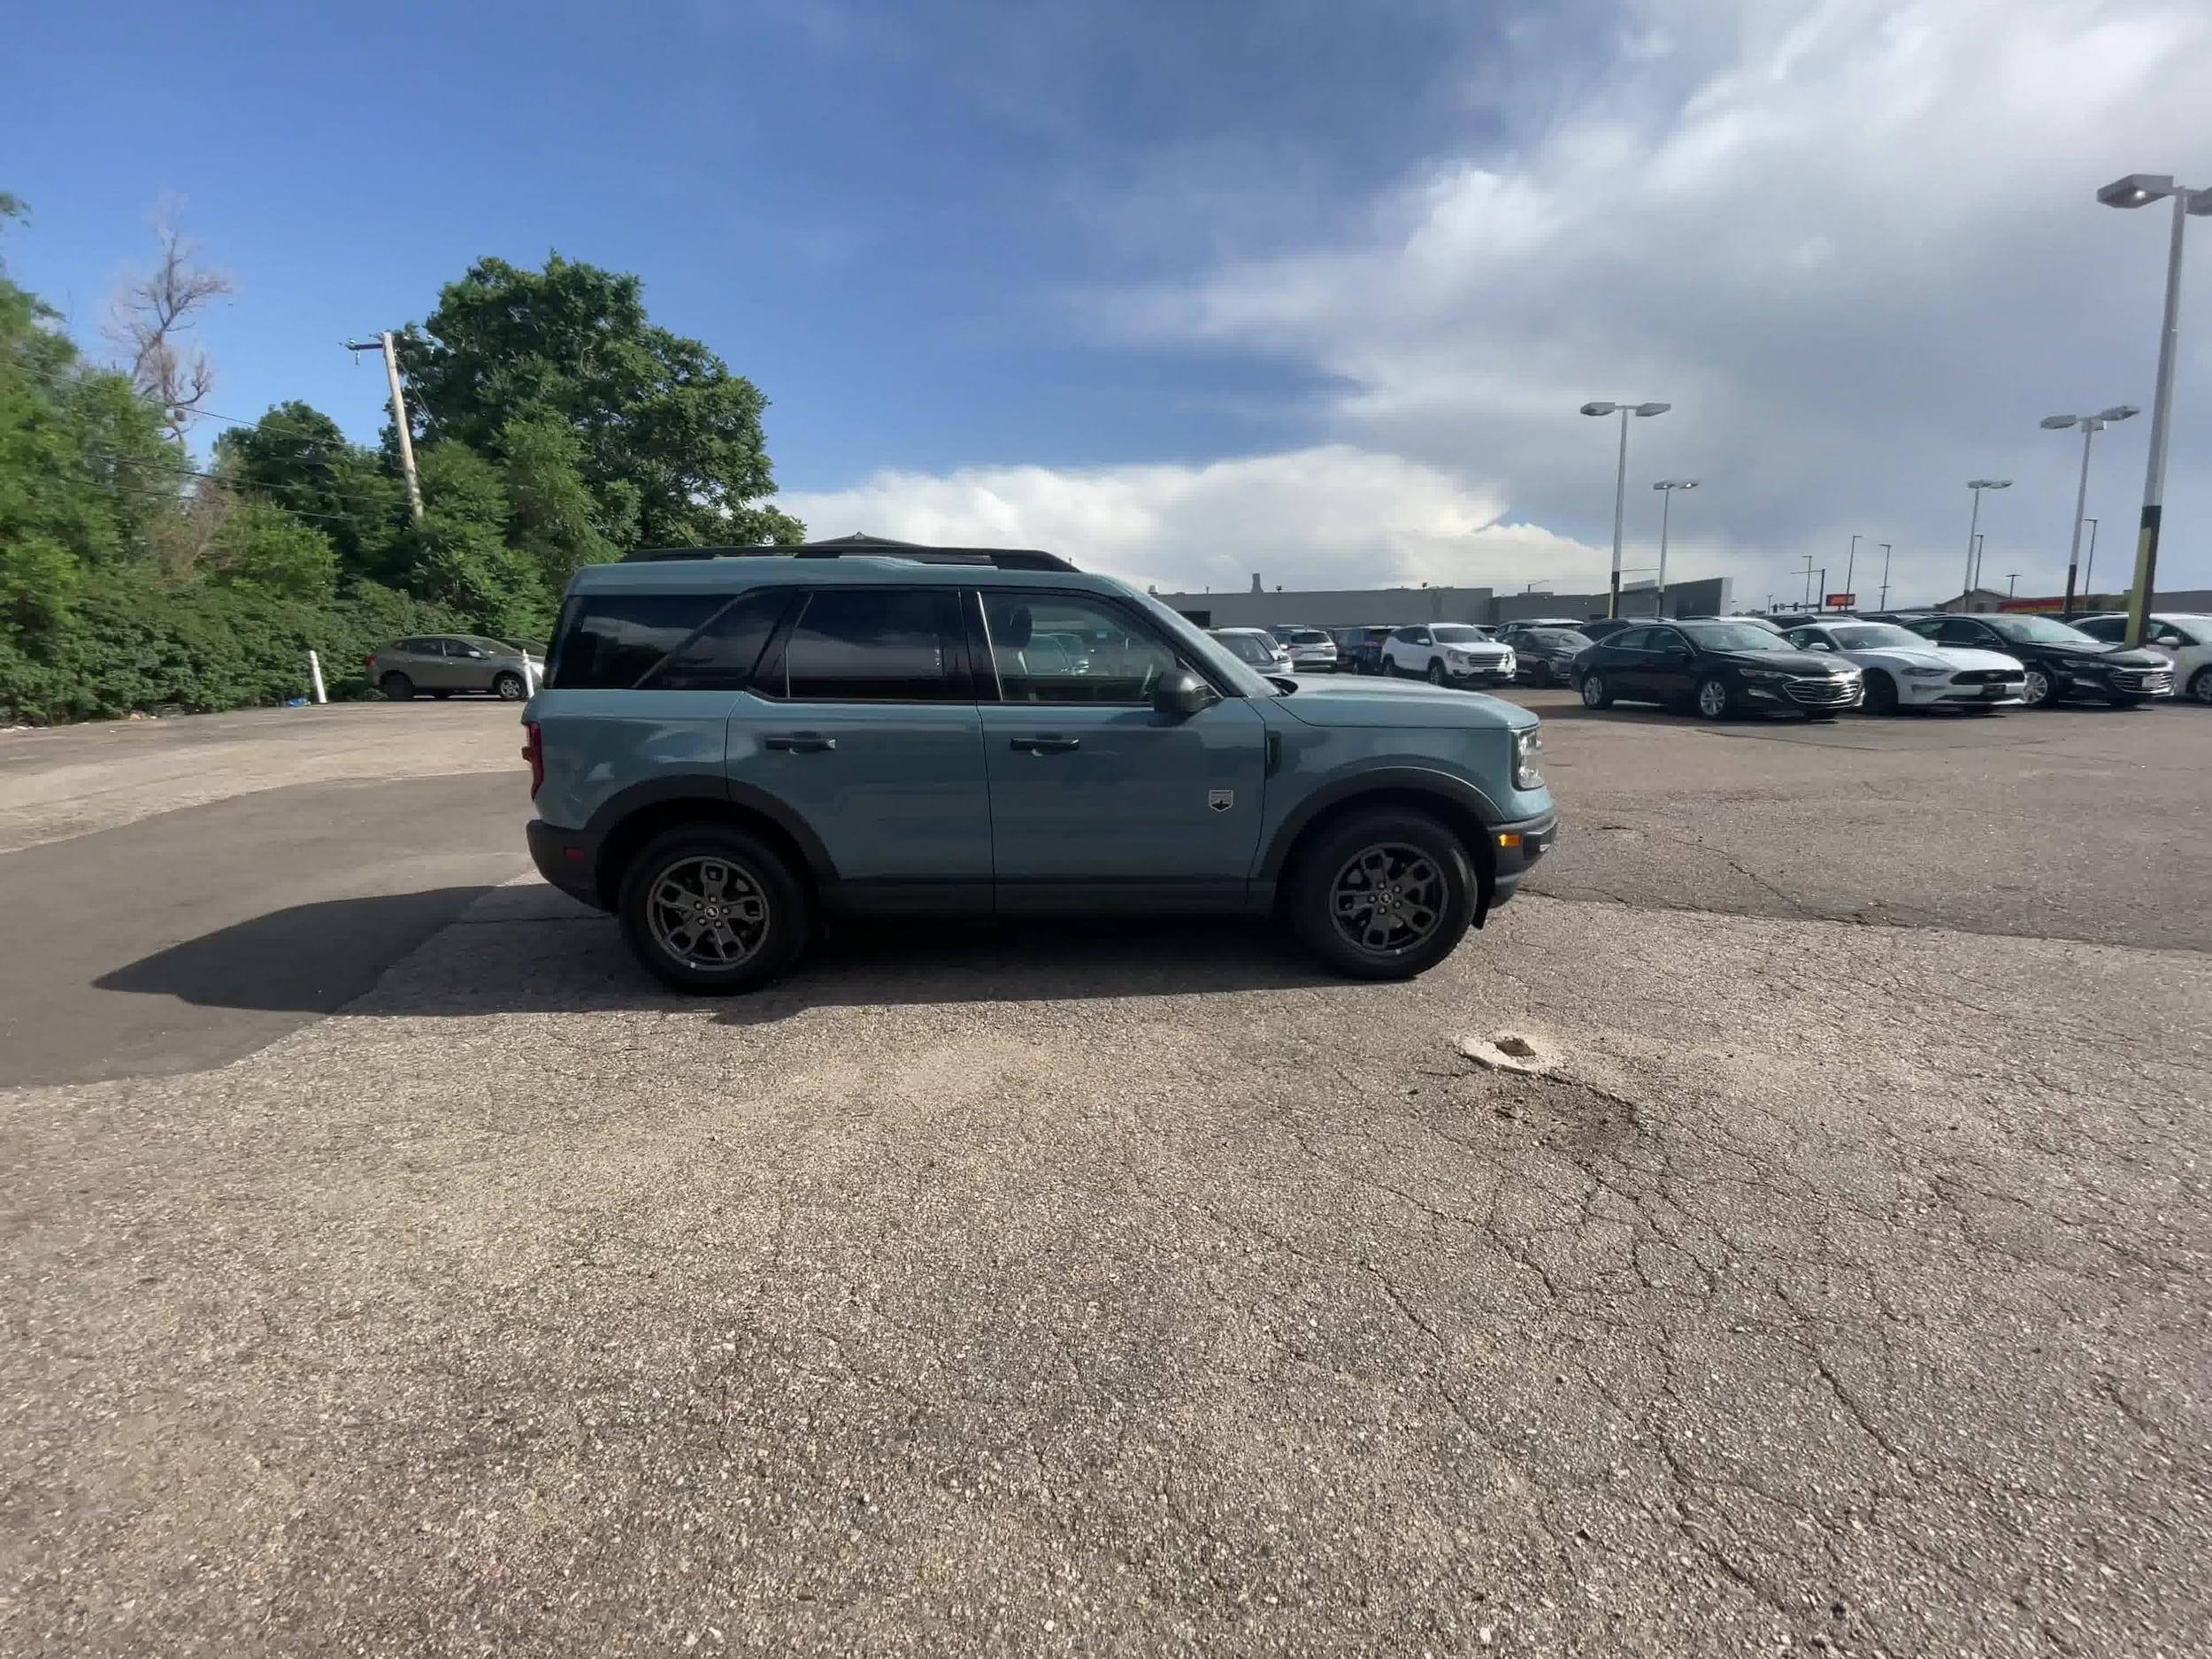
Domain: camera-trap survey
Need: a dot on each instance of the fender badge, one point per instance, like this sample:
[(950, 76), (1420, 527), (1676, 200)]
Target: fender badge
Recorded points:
[(1221, 800)]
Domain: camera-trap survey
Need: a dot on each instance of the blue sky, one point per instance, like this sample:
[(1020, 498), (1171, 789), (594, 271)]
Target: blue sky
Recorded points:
[(1190, 290)]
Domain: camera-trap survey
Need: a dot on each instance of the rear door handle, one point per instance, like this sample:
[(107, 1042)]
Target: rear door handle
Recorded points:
[(1047, 745), (801, 743)]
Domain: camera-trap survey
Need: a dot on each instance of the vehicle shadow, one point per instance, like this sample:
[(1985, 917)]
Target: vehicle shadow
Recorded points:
[(529, 949)]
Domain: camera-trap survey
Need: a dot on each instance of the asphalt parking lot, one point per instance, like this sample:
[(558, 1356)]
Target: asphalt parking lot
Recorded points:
[(1839, 1287)]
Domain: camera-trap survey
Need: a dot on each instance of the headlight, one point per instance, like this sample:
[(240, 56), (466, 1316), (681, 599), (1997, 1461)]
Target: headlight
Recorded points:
[(1924, 674), (1509, 661), (1528, 757), (1458, 659), (1761, 673)]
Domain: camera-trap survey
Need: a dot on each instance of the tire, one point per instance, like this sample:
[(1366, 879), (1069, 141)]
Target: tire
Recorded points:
[(1541, 675), (2036, 692), (1348, 858), (1713, 701), (1881, 693), (2201, 685), (1436, 672), (396, 686), (508, 686), (1595, 692), (771, 913)]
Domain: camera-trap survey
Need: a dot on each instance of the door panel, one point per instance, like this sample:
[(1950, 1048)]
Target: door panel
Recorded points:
[(1121, 795)]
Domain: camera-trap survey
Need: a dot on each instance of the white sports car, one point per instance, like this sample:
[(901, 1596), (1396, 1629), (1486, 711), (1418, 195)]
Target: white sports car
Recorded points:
[(1904, 671)]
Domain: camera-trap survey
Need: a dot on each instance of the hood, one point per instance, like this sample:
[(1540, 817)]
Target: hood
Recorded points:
[(1949, 657), (1371, 703), (1789, 662), (2092, 649)]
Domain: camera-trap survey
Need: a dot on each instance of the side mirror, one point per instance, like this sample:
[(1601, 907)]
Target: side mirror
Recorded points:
[(1181, 693)]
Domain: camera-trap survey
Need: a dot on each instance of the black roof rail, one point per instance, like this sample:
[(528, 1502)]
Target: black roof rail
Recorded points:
[(868, 547)]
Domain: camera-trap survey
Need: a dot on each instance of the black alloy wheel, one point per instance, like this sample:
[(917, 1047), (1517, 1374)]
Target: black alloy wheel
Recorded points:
[(395, 687), (712, 907), (1382, 894)]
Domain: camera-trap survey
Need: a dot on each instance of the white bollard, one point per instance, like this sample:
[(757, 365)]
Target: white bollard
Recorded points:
[(529, 675), (315, 673)]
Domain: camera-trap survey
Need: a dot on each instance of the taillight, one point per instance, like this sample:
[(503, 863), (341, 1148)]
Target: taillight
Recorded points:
[(534, 751), (371, 659)]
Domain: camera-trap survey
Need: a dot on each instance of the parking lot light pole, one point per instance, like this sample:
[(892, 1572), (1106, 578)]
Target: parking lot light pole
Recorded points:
[(1666, 486), (1851, 564), (1620, 485), (2090, 424), (2089, 570), (2138, 189), (1978, 485)]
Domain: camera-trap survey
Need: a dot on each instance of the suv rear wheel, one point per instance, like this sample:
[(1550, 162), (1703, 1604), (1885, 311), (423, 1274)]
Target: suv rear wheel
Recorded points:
[(1382, 894), (396, 686), (708, 907)]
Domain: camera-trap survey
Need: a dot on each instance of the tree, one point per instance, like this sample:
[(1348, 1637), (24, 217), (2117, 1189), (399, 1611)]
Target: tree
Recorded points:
[(296, 457), (660, 421), (553, 516), (262, 546), (151, 319), (459, 556)]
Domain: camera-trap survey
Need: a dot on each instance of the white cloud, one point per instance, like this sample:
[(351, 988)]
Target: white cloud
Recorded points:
[(1854, 243), (1331, 516)]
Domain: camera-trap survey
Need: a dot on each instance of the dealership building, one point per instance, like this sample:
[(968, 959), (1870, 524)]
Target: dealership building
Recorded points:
[(1263, 607)]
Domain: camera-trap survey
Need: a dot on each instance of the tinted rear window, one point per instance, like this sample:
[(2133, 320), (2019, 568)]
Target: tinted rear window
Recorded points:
[(721, 656), (613, 641), (874, 645)]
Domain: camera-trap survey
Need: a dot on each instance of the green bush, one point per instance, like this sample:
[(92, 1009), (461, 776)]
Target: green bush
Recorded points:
[(128, 641)]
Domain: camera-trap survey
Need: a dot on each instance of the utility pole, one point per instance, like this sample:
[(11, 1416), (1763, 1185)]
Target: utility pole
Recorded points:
[(1883, 605), (383, 342)]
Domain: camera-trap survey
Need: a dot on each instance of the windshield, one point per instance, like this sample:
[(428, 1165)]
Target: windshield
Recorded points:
[(1248, 648), (1559, 639), (1734, 636), (1456, 634), (1194, 640), (1875, 636), (2039, 630)]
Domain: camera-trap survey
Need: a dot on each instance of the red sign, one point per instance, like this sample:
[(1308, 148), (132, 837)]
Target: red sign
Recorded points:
[(1840, 601)]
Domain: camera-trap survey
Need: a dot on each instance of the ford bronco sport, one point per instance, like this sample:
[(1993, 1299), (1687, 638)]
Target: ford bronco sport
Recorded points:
[(733, 742)]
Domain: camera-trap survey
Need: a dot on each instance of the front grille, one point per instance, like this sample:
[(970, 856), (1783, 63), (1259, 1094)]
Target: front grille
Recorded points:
[(1989, 677), (1826, 689), (2150, 680)]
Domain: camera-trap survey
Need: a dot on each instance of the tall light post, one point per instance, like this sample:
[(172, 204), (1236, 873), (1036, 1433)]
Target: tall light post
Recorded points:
[(2089, 570), (1978, 485), (2138, 189), (1849, 566), (1666, 486), (1883, 605), (1620, 484), (2091, 426)]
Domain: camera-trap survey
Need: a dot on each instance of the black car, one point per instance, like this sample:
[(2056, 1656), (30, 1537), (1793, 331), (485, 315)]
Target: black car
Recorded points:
[(1546, 656), (1360, 649), (1604, 625), (1716, 668), (2063, 664)]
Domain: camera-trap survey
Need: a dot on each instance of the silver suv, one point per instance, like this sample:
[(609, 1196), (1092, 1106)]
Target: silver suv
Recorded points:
[(443, 664)]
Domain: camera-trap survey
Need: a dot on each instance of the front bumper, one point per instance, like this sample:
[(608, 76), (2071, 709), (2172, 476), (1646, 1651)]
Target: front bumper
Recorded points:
[(566, 857), (1515, 846), (2000, 693), (1498, 674)]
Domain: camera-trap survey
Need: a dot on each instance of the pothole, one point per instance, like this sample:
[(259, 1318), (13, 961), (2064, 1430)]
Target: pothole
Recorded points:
[(1510, 1052)]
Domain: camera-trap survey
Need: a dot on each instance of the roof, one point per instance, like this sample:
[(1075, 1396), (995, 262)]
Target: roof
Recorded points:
[(734, 569), (858, 545)]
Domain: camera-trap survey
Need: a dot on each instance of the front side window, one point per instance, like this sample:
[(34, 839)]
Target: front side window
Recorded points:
[(1732, 636), (612, 640), (1633, 639), (2110, 629), (874, 645), (1055, 647), (2037, 631)]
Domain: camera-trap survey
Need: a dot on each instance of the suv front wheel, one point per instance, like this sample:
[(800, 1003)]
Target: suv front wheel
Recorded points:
[(1382, 894), (708, 907)]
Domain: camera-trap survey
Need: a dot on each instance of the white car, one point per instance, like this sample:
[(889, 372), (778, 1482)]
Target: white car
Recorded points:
[(1448, 653), (1311, 651), (2184, 639), (1904, 671), (1255, 647)]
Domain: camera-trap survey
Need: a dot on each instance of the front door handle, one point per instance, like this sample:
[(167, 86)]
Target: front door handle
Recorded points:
[(1047, 745), (801, 743)]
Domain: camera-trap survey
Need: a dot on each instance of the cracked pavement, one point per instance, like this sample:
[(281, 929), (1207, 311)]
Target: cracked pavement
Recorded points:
[(1842, 1289)]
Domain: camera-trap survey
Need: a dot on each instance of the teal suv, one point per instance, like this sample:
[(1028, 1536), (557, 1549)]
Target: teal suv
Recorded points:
[(733, 744)]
